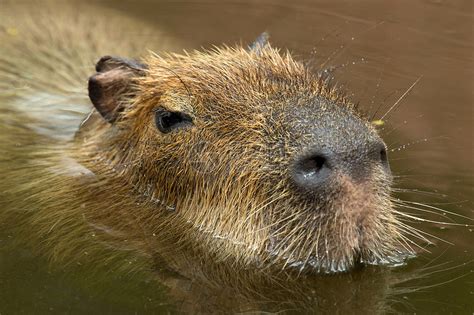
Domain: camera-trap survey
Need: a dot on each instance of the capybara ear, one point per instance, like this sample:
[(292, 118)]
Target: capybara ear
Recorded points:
[(112, 83), (260, 42)]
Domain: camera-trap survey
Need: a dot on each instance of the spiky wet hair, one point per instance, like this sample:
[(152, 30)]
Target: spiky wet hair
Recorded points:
[(208, 140)]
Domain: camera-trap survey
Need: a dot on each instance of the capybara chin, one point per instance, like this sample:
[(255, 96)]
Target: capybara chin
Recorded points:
[(236, 155)]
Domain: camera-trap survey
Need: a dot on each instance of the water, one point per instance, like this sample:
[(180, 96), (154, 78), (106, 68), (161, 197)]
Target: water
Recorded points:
[(379, 49)]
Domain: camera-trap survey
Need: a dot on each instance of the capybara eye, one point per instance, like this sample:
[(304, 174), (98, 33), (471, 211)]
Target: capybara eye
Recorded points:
[(167, 121)]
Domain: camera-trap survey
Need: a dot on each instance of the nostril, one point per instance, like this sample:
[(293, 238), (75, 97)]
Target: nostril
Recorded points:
[(312, 165), (312, 171), (383, 156), (378, 152)]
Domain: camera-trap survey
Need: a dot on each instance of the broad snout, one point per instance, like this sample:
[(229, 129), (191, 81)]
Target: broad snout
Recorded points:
[(316, 168)]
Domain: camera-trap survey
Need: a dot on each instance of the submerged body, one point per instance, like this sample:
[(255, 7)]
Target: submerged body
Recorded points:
[(234, 157)]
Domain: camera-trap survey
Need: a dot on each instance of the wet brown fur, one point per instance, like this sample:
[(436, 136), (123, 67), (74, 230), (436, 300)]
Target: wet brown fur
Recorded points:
[(216, 192), (224, 183)]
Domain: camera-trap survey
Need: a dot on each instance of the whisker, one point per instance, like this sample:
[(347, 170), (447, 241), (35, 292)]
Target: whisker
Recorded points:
[(424, 210), (427, 220), (384, 101), (426, 275), (434, 208), (421, 192), (418, 289), (405, 239), (254, 212), (428, 267), (422, 232), (295, 216), (401, 98), (313, 248), (414, 232)]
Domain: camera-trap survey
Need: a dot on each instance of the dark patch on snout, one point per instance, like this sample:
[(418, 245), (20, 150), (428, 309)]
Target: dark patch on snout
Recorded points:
[(336, 143), (316, 169)]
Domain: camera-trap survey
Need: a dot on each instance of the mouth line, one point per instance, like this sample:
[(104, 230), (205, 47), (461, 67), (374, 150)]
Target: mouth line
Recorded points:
[(324, 265), (313, 265)]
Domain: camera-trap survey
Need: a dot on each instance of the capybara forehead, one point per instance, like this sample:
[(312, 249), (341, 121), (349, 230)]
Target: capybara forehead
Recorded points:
[(233, 79)]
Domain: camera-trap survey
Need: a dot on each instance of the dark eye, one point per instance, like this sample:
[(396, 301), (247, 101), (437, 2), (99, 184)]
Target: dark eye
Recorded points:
[(167, 121)]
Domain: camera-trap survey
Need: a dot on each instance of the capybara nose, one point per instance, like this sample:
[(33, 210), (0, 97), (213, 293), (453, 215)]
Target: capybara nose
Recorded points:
[(316, 169), (313, 171)]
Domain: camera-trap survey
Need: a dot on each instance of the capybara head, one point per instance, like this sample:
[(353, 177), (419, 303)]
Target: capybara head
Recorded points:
[(258, 154)]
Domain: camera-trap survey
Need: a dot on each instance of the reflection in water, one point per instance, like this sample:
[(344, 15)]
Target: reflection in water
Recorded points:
[(378, 51)]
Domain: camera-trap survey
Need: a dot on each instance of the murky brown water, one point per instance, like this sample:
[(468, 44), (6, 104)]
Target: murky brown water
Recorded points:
[(380, 48)]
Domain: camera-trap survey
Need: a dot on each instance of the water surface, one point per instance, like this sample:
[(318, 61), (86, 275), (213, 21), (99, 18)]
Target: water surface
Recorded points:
[(378, 50)]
